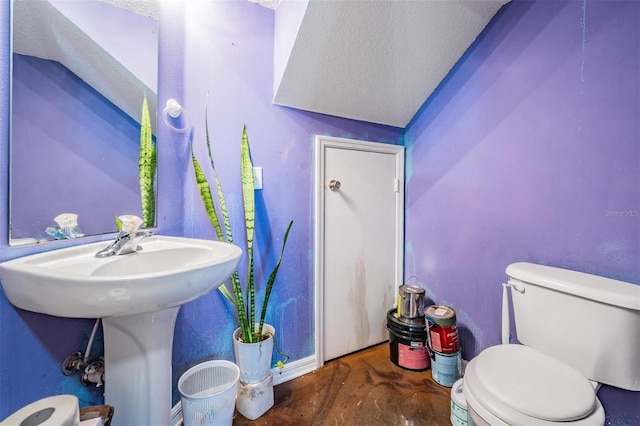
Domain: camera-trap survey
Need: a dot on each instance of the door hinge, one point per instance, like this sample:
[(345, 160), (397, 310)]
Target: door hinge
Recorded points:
[(396, 185)]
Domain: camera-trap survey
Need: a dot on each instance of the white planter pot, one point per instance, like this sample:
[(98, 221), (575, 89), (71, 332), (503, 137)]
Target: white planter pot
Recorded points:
[(255, 399), (254, 359)]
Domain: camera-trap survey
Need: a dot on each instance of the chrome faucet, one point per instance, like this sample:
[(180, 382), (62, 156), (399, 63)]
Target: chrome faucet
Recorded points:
[(125, 243)]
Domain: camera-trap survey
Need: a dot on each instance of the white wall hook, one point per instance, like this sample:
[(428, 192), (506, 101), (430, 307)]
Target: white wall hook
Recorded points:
[(173, 108), (172, 112)]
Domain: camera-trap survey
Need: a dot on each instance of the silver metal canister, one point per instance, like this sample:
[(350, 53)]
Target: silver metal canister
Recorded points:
[(410, 301)]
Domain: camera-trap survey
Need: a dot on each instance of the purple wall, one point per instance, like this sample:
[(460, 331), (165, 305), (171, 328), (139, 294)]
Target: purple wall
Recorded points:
[(529, 151), (504, 164)]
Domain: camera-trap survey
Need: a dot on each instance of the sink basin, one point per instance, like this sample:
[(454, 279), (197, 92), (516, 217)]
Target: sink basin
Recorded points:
[(138, 296), (71, 282)]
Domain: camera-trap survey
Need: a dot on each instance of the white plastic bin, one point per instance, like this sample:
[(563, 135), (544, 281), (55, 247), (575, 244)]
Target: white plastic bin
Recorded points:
[(208, 393)]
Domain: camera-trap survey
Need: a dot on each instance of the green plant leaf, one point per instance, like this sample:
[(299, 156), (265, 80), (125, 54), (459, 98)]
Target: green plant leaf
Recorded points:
[(225, 292), (271, 281), (212, 213), (205, 194), (147, 167), (221, 200), (243, 303), (236, 299), (248, 202)]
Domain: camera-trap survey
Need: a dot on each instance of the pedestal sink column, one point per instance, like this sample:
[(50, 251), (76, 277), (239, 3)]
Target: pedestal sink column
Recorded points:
[(137, 352)]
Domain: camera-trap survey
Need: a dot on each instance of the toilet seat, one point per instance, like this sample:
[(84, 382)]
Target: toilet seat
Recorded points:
[(520, 385)]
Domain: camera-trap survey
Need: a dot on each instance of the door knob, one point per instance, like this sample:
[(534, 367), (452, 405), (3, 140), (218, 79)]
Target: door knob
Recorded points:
[(334, 185)]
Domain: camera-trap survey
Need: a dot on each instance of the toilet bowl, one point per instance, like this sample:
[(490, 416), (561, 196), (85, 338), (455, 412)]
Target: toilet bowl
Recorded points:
[(569, 326), (58, 410), (517, 385)]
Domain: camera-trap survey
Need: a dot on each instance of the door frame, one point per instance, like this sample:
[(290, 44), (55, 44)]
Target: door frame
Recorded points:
[(322, 143)]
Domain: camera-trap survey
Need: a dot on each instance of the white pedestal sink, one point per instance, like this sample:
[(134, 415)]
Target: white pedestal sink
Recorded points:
[(137, 295)]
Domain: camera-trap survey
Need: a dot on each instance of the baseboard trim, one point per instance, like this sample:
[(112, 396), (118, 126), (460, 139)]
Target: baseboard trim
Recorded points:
[(292, 370), (176, 414)]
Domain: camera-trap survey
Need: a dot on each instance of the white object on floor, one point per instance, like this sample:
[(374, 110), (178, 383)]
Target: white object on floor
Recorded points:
[(255, 399), (459, 411), (92, 422), (208, 393), (59, 410)]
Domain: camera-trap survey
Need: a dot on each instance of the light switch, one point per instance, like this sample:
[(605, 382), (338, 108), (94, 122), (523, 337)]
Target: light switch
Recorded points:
[(257, 177)]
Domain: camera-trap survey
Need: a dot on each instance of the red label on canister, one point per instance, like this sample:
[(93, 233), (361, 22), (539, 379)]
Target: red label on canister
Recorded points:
[(414, 356), (443, 332), (444, 339)]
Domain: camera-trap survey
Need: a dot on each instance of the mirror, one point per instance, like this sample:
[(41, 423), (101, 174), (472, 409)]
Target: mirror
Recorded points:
[(80, 73)]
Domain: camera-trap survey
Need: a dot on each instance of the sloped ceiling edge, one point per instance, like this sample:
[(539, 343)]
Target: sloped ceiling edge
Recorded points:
[(374, 61)]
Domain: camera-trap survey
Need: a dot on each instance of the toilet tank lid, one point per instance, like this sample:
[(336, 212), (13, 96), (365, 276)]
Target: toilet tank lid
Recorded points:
[(605, 290)]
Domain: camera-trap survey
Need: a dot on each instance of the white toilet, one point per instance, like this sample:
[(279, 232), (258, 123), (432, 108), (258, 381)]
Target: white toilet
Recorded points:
[(576, 331)]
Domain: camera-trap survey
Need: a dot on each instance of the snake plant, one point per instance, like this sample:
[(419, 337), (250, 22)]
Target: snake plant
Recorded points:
[(243, 299), (147, 167)]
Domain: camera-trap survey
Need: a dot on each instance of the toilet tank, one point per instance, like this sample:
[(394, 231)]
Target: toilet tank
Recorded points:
[(587, 321)]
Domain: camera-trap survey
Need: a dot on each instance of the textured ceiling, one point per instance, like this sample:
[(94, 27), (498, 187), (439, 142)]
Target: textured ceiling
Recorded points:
[(375, 61)]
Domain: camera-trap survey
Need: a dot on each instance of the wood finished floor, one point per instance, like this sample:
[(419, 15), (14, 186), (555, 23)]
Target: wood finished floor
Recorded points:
[(364, 388)]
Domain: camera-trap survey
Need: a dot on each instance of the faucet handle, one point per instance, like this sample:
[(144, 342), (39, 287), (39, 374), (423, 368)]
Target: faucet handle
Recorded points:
[(130, 223)]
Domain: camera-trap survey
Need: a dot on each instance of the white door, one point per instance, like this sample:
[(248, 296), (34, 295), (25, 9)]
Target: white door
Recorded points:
[(359, 230)]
